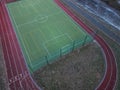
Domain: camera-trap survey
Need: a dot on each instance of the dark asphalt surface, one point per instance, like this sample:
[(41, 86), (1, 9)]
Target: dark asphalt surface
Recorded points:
[(93, 21)]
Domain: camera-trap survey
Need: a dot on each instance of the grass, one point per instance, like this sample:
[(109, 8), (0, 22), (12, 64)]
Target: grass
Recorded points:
[(44, 31), (114, 46), (77, 71)]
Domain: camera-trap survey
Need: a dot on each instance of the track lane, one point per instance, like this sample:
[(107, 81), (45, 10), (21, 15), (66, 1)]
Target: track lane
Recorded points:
[(109, 80), (20, 79), (111, 69)]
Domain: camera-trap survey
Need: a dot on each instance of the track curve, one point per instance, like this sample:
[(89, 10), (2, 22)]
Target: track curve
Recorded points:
[(17, 71), (110, 77)]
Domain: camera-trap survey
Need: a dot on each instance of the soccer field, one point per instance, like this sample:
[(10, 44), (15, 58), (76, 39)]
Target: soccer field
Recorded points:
[(44, 31)]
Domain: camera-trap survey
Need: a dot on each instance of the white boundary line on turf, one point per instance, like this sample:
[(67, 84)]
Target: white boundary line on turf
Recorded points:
[(36, 45), (6, 48), (42, 19), (36, 65), (74, 23), (51, 40), (21, 5), (34, 8), (37, 21), (29, 59), (27, 50), (37, 31), (11, 49), (46, 49), (22, 73), (49, 15), (106, 60), (20, 36), (30, 22), (69, 37), (115, 60), (11, 52), (65, 34), (33, 82), (54, 38)]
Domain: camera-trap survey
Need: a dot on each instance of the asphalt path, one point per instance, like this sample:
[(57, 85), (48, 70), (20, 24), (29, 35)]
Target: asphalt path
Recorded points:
[(75, 5), (110, 77)]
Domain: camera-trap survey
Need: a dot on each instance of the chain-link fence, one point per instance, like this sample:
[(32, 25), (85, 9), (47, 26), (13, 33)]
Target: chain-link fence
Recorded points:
[(60, 52)]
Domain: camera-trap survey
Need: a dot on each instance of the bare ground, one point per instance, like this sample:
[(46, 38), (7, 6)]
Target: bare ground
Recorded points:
[(114, 45), (76, 71)]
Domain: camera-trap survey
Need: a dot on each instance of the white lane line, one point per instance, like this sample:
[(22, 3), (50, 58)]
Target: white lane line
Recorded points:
[(35, 19), (11, 47), (33, 82), (7, 49), (20, 36), (16, 50)]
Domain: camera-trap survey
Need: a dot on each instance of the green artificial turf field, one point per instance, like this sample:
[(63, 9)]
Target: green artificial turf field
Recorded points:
[(44, 31)]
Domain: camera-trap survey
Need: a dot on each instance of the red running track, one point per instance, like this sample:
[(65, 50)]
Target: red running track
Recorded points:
[(17, 72), (110, 77)]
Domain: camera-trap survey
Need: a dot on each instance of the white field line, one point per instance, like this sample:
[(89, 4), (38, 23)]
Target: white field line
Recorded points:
[(37, 21), (65, 34), (19, 75), (7, 54), (12, 53), (27, 51), (54, 38), (46, 49), (49, 41), (75, 23), (27, 67), (35, 44), (69, 37), (20, 36), (15, 45), (113, 55)]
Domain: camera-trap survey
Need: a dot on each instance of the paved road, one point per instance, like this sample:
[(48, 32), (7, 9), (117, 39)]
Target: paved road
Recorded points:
[(75, 6)]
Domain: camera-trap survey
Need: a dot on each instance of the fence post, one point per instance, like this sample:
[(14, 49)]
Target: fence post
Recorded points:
[(46, 59), (84, 40), (60, 52), (73, 45), (30, 68)]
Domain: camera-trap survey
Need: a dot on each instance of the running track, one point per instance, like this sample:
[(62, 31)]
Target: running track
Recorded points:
[(18, 75)]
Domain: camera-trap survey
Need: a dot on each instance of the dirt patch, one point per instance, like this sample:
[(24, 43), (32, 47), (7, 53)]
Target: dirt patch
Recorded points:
[(114, 45), (80, 70)]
